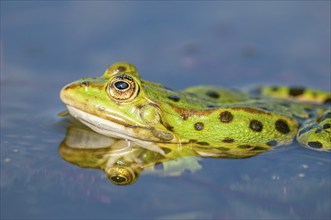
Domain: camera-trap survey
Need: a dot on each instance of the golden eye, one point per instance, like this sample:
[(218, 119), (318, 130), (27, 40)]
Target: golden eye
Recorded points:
[(121, 175), (122, 88)]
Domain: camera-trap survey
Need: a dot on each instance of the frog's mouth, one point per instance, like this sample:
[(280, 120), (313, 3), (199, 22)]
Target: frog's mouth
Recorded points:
[(112, 128)]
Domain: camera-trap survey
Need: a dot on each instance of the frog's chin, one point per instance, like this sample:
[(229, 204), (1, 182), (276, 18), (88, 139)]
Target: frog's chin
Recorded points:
[(105, 127)]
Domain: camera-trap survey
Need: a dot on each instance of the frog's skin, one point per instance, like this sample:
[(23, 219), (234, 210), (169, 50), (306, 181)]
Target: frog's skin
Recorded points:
[(120, 104)]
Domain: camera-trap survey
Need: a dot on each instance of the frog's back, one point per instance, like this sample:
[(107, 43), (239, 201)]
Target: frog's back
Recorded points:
[(281, 115)]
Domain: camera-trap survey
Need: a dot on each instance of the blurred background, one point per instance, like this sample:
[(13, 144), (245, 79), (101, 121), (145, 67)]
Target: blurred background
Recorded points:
[(225, 43), (47, 44)]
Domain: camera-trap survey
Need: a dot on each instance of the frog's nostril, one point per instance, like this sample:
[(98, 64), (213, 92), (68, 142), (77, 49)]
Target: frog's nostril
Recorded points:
[(85, 83)]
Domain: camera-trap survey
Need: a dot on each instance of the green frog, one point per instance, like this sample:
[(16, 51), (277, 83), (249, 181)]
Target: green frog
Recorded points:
[(122, 105)]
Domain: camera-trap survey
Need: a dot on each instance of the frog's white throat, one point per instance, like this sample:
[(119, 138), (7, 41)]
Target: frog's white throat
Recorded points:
[(105, 127)]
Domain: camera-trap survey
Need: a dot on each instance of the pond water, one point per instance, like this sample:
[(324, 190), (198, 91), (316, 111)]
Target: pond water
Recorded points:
[(47, 44)]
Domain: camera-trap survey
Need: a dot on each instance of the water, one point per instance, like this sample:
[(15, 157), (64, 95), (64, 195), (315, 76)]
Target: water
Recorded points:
[(45, 45)]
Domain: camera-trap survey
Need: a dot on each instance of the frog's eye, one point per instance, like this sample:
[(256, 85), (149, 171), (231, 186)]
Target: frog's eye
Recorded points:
[(121, 175), (122, 88)]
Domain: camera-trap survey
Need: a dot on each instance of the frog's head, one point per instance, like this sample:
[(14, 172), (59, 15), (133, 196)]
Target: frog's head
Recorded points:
[(116, 104)]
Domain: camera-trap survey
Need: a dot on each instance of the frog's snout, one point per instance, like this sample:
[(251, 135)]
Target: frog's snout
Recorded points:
[(65, 93)]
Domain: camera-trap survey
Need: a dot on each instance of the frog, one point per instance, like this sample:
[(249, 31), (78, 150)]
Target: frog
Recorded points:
[(121, 104)]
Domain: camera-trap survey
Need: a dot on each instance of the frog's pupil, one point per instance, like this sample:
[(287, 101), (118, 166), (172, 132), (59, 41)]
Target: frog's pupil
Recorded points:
[(121, 85), (118, 179)]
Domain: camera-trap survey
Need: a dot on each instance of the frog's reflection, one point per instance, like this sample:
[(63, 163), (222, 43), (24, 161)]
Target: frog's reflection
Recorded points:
[(122, 160)]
